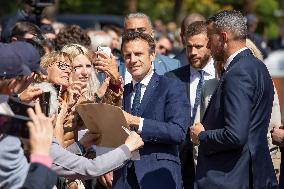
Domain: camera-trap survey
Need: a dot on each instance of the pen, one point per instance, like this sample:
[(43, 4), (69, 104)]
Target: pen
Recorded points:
[(126, 130)]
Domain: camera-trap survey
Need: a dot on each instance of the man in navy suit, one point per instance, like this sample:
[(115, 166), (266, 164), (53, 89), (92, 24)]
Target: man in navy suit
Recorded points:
[(155, 107), (233, 149)]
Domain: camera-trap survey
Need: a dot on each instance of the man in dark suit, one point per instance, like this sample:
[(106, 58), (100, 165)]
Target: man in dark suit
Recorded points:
[(199, 69), (154, 106), (233, 150)]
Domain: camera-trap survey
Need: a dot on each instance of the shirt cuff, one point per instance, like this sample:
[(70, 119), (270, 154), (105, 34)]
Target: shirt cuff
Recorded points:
[(42, 159), (140, 125)]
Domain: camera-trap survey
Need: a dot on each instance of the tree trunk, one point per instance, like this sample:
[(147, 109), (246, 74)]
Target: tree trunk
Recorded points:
[(249, 6), (131, 5)]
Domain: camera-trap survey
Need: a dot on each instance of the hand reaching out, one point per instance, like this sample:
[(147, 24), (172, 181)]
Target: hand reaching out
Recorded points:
[(30, 94), (41, 131)]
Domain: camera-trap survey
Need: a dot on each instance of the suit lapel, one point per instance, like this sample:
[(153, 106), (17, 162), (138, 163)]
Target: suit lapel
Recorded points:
[(149, 92), (185, 77), (237, 58), (234, 61), (127, 97)]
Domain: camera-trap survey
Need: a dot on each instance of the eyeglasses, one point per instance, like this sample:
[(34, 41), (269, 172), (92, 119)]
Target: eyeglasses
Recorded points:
[(61, 65), (140, 30)]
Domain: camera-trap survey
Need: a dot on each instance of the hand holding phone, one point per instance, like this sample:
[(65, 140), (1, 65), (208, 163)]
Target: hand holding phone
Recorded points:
[(105, 50)]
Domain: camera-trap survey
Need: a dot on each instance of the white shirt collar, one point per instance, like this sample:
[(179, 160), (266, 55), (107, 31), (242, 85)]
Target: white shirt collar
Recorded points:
[(209, 69), (144, 81), (229, 60)]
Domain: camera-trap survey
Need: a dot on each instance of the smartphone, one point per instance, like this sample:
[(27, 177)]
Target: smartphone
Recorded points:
[(18, 107), (106, 50), (44, 101), (14, 125)]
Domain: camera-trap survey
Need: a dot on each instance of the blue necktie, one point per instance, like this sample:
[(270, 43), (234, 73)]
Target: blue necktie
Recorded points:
[(198, 94), (136, 99)]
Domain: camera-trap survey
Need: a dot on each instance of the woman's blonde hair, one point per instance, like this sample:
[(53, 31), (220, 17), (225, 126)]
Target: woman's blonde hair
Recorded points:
[(73, 50), (255, 51), (55, 56)]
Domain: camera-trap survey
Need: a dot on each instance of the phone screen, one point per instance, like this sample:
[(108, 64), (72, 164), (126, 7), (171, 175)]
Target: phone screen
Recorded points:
[(44, 100)]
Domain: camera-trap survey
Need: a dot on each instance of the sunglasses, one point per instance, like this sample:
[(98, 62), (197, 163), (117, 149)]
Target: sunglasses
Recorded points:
[(140, 30), (61, 65)]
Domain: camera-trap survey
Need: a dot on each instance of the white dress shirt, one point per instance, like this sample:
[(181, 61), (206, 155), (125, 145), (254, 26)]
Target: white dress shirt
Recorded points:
[(209, 73), (144, 83)]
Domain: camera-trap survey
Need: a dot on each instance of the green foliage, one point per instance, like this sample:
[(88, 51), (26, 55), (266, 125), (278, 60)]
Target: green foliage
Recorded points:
[(271, 30), (8, 7), (91, 6), (157, 9), (164, 9), (265, 10)]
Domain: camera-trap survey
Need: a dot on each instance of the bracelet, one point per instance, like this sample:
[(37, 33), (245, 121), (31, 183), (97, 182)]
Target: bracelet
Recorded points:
[(115, 86)]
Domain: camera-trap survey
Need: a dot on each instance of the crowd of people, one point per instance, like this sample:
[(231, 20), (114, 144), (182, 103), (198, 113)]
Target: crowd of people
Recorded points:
[(205, 117)]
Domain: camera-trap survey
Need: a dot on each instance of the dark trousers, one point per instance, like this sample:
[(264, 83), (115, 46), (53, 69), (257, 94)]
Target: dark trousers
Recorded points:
[(131, 179)]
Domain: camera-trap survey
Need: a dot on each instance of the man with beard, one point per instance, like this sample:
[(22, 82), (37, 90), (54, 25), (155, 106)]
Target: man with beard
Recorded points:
[(200, 68), (233, 151)]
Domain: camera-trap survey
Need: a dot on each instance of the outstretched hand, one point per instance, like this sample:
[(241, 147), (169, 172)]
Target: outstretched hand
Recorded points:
[(40, 130)]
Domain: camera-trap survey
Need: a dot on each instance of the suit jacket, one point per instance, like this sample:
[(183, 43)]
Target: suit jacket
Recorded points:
[(40, 176), (233, 150), (163, 64), (182, 57), (164, 127), (186, 150), (275, 120)]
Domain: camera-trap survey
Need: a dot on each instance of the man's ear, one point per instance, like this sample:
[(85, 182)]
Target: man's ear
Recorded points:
[(152, 56), (224, 37), (153, 34), (12, 83)]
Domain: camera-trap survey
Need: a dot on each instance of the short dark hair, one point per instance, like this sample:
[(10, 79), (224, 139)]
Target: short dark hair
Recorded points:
[(196, 28), (72, 34), (132, 36), (230, 21), (21, 28), (189, 20)]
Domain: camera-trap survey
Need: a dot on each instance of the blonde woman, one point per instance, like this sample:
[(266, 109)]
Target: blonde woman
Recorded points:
[(85, 87)]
